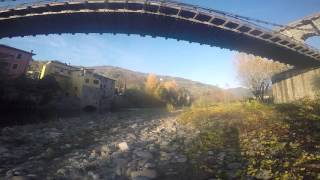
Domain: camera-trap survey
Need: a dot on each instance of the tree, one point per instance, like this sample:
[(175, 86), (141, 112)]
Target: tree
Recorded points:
[(48, 87), (151, 83), (255, 73), (171, 85)]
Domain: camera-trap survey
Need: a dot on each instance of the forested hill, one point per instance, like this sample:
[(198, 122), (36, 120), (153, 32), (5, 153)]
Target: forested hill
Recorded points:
[(137, 79)]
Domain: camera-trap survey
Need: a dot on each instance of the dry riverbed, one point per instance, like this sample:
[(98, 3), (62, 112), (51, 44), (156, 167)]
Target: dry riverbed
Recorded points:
[(138, 144), (224, 141)]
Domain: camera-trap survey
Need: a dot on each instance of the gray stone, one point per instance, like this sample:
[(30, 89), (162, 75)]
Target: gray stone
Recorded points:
[(152, 174), (182, 159), (132, 136), (61, 172), (172, 148), (221, 157), (93, 175), (142, 162), (140, 178), (144, 154), (232, 174), (53, 135), (133, 126), (68, 145), (3, 150), (121, 170), (20, 178), (149, 165), (164, 156), (234, 166)]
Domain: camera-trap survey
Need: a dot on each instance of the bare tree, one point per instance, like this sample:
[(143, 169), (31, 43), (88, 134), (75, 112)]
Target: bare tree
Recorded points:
[(255, 73)]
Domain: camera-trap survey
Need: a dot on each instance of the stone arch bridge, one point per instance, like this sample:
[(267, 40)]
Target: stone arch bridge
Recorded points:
[(303, 29), (298, 83), (156, 18)]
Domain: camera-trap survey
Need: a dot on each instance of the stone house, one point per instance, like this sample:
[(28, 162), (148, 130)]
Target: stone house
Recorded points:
[(13, 62), (81, 85)]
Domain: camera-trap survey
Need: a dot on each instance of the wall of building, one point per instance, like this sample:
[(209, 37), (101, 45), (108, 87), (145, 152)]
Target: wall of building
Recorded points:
[(62, 73), (296, 84), (14, 62), (92, 89)]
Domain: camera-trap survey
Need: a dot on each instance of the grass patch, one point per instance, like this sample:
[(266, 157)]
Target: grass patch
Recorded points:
[(242, 140)]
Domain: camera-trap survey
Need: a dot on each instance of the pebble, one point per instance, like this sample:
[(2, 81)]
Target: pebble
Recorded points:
[(140, 178), (144, 154), (20, 178), (104, 151), (149, 165), (123, 146), (234, 166), (3, 150), (182, 159), (152, 174)]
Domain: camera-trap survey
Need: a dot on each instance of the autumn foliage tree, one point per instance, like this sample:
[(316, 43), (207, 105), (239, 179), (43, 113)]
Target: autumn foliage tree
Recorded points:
[(151, 83), (167, 92), (255, 73)]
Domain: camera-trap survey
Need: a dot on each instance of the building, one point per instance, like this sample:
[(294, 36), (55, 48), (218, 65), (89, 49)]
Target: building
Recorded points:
[(296, 84), (89, 88), (13, 62)]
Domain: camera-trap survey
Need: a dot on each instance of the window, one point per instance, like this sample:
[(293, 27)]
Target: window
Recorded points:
[(87, 80), (95, 81), (61, 70), (15, 66), (19, 56)]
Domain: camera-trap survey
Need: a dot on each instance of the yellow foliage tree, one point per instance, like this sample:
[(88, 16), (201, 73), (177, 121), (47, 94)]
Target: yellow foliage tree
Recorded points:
[(170, 85), (255, 72), (152, 83)]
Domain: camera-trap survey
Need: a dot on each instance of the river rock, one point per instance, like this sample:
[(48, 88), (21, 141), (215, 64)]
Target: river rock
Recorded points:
[(144, 154), (123, 146), (149, 165), (104, 151), (152, 174)]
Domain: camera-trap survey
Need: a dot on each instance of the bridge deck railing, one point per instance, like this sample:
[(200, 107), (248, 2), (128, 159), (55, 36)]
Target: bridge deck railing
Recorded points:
[(175, 4)]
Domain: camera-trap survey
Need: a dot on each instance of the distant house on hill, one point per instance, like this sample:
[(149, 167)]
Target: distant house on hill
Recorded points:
[(13, 62), (89, 88)]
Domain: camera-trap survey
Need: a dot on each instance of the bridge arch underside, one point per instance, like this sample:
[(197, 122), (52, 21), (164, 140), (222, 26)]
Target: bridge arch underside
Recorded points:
[(72, 19)]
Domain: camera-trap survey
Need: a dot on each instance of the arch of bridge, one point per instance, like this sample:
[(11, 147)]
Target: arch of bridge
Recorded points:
[(155, 18), (303, 29)]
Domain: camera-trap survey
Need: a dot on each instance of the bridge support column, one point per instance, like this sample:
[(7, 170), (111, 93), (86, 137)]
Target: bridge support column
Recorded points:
[(296, 84)]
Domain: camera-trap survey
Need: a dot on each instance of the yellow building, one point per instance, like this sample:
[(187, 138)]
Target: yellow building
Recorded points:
[(92, 89)]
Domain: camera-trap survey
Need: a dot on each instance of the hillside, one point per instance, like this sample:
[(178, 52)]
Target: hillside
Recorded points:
[(134, 79), (137, 79)]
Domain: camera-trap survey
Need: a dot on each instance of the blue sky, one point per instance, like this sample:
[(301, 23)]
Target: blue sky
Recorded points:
[(167, 57)]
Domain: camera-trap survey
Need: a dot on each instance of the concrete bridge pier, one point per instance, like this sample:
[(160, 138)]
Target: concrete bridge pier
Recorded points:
[(296, 84)]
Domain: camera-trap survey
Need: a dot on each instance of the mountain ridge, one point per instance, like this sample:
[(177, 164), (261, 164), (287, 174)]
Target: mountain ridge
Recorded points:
[(136, 79)]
